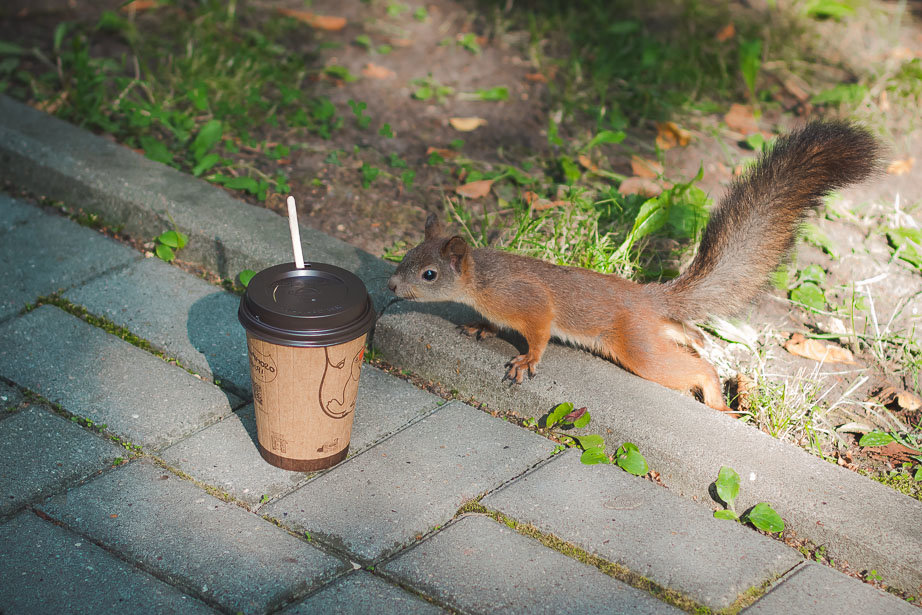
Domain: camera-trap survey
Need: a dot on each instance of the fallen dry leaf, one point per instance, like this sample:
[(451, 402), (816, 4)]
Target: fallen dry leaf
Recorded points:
[(884, 101), (466, 124), (642, 167), (444, 153), (643, 186), (530, 197), (321, 22), (536, 77), (140, 5), (894, 452), (378, 72), (818, 351), (726, 33), (904, 399), (669, 135), (741, 119), (587, 163), (901, 167), (475, 190)]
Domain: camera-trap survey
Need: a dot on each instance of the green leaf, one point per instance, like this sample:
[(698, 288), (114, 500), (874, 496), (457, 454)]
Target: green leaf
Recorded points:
[(570, 169), (363, 40), (245, 276), (726, 514), (209, 136), (728, 485), (848, 93), (174, 239), (340, 72), (810, 295), (828, 9), (156, 150), (558, 413), (755, 141), (918, 475), (765, 518), (593, 456), (386, 131), (606, 136), (629, 459), (876, 438), (420, 14), (59, 33), (369, 174), (493, 94), (812, 234), (11, 49), (206, 163), (582, 421), (590, 441), (750, 58), (165, 252), (407, 178), (242, 183), (813, 273), (423, 93), (908, 243)]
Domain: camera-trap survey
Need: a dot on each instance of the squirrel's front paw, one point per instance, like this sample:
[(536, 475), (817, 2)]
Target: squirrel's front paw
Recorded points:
[(518, 367), (478, 330)]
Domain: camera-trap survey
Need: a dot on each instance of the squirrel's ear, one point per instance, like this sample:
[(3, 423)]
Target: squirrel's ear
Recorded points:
[(455, 250), (434, 228)]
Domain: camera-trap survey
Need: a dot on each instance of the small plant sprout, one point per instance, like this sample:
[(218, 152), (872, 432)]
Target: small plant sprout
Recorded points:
[(168, 243), (564, 417), (762, 516)]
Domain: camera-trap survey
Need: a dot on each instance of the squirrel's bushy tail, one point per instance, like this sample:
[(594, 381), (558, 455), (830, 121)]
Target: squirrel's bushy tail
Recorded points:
[(756, 223)]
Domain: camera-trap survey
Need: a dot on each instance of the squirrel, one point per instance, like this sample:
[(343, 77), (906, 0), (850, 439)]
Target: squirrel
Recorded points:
[(645, 327)]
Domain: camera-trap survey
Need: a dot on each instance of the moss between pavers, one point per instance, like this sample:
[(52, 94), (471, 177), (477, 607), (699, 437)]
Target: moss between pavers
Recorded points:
[(132, 449), (616, 571)]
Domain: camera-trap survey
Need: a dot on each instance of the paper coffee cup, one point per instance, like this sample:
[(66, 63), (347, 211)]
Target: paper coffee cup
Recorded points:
[(306, 331)]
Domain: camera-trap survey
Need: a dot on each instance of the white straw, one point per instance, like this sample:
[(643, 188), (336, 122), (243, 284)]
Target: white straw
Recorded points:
[(295, 232)]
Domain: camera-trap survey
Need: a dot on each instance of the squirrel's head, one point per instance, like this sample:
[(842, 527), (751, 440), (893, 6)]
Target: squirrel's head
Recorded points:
[(433, 270)]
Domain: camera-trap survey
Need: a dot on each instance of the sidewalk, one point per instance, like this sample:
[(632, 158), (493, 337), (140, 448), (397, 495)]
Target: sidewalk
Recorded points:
[(196, 521)]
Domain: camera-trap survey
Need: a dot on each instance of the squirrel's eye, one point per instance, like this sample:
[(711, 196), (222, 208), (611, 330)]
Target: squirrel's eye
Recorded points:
[(429, 275)]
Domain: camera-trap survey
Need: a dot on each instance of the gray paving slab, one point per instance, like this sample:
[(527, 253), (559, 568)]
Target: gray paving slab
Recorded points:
[(630, 521), (361, 593), (224, 455), (379, 501), (179, 314), (48, 569), (215, 549), (107, 380), (59, 160), (683, 440), (48, 253), (480, 566), (41, 452), (819, 590), (14, 212), (10, 397)]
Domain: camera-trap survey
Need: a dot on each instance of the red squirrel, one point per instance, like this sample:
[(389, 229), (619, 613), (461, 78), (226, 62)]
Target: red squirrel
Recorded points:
[(646, 327)]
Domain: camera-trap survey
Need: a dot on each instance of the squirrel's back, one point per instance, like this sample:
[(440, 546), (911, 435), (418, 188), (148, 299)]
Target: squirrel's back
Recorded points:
[(756, 223)]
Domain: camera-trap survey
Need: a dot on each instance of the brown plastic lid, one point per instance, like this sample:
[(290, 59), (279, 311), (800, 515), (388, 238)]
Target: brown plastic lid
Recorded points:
[(320, 305)]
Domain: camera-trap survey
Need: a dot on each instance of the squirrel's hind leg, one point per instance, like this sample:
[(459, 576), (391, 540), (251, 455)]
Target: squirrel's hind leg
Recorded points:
[(676, 367)]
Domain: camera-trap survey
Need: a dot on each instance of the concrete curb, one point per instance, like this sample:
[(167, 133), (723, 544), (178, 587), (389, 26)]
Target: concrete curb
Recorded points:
[(858, 520)]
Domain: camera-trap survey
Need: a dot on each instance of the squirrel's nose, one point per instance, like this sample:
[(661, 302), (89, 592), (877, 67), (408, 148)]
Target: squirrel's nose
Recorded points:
[(392, 284)]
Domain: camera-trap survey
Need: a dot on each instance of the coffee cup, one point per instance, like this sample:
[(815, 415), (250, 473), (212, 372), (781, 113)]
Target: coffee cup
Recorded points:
[(306, 330)]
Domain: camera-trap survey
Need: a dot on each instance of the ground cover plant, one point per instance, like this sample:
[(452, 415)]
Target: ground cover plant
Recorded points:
[(591, 133)]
